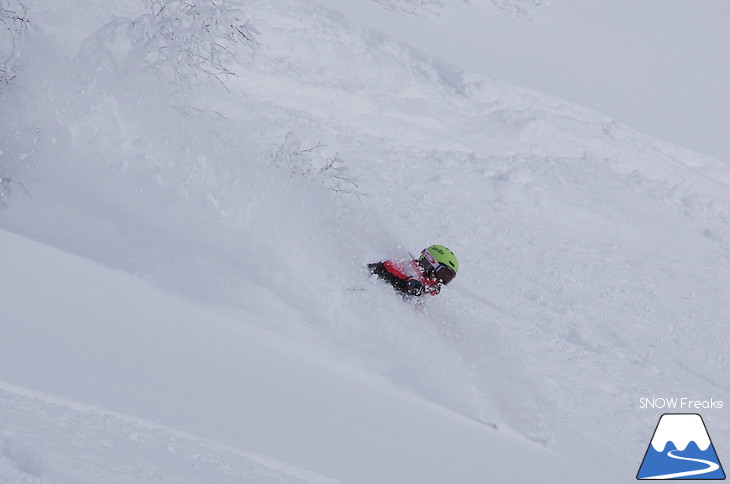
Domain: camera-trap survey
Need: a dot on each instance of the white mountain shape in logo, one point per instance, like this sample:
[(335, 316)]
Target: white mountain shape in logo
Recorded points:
[(681, 429)]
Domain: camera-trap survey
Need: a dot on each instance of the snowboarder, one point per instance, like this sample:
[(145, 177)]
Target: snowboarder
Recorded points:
[(436, 265)]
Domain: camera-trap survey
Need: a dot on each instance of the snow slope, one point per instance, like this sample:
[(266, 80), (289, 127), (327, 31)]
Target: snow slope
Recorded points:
[(203, 389), (656, 64), (195, 296)]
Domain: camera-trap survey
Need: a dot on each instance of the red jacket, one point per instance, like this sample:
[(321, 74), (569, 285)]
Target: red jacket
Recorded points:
[(406, 276)]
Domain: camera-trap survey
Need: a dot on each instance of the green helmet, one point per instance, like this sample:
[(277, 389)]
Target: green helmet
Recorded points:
[(441, 261)]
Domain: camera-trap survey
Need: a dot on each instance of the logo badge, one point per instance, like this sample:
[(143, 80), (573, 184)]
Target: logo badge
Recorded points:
[(681, 449)]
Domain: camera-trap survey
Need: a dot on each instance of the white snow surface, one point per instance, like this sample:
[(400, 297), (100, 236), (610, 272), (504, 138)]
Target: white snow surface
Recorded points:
[(183, 294), (658, 65)]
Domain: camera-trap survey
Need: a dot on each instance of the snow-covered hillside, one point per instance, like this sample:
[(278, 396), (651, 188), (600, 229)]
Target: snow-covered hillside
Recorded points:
[(657, 65), (189, 198)]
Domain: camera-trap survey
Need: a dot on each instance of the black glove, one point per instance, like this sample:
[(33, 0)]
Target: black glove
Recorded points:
[(412, 287)]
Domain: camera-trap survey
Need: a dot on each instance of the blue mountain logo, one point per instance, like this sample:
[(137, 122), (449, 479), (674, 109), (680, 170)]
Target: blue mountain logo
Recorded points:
[(681, 449)]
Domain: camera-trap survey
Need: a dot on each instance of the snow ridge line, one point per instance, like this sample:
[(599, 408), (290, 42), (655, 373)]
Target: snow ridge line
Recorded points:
[(141, 425)]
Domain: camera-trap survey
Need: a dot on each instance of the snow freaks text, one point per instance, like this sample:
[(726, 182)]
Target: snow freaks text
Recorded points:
[(679, 403)]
